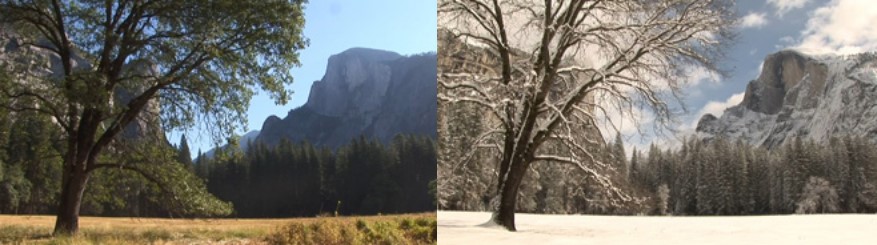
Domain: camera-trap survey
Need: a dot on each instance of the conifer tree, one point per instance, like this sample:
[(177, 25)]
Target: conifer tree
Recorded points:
[(686, 182), (185, 155), (619, 155), (634, 173)]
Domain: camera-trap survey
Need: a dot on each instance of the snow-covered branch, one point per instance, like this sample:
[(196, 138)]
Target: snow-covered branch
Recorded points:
[(557, 68)]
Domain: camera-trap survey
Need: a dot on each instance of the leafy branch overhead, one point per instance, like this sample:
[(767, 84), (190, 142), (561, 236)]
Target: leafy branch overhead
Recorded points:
[(199, 58)]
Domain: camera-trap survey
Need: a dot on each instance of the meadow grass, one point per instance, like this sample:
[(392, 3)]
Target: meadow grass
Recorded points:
[(411, 229), (389, 229)]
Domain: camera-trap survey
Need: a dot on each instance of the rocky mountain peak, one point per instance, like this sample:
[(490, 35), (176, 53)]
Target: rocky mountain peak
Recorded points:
[(780, 72), (367, 92), (271, 121), (804, 95), (360, 73)]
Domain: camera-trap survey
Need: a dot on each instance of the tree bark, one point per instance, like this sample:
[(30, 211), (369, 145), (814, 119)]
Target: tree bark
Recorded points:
[(505, 216), (73, 186)]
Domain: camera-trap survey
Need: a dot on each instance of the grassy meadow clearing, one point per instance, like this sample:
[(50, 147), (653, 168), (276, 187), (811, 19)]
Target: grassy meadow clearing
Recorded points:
[(387, 229)]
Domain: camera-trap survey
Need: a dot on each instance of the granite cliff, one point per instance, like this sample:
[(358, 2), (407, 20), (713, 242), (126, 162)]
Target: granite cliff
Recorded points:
[(800, 94), (373, 93)]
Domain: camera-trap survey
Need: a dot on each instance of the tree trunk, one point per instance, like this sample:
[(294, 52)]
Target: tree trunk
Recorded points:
[(505, 216), (67, 221)]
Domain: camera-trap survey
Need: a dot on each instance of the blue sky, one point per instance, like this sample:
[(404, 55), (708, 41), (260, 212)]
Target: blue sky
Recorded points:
[(402, 26), (765, 27)]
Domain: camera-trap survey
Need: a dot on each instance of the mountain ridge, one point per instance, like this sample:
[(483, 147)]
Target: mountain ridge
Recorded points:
[(369, 92), (801, 94)]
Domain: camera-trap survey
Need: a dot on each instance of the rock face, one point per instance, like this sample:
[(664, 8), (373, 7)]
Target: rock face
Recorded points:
[(374, 93), (41, 63), (803, 95), (360, 75)]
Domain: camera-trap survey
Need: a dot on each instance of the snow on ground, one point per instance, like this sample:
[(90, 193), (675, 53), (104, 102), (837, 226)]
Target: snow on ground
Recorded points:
[(537, 229)]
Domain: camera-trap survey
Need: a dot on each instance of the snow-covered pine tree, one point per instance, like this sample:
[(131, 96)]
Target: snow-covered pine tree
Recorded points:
[(777, 176), (759, 179), (686, 181), (619, 155), (839, 171), (663, 199), (863, 164), (743, 196), (818, 196), (633, 174)]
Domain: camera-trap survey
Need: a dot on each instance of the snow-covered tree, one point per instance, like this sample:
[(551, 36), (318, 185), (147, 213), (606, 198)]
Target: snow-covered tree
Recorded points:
[(686, 178), (635, 166), (759, 178), (818, 196), (862, 180), (707, 181), (663, 199), (564, 66), (619, 156)]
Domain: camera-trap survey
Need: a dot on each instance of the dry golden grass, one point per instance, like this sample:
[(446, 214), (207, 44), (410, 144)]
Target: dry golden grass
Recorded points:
[(102, 230), (387, 230)]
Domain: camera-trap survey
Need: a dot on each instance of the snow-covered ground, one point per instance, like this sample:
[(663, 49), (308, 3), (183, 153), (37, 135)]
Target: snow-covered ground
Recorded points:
[(468, 228)]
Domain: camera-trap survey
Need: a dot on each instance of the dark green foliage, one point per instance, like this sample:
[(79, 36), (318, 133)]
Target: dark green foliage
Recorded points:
[(185, 155), (30, 160), (723, 178), (298, 179), (433, 191), (33, 165), (159, 187), (14, 190)]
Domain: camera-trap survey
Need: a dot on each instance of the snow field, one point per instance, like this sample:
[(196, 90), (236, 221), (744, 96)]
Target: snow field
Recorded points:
[(538, 229)]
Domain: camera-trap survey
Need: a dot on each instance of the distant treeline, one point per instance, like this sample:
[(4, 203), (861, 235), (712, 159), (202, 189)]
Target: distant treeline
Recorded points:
[(299, 179), (364, 177), (720, 177)]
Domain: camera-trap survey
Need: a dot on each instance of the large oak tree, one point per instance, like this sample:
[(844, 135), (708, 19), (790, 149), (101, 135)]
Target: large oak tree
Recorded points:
[(565, 65), (101, 67)]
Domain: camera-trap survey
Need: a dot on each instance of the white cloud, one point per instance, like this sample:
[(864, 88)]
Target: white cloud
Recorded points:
[(698, 74), (784, 6), (717, 108), (841, 26), (753, 20), (681, 131), (785, 42)]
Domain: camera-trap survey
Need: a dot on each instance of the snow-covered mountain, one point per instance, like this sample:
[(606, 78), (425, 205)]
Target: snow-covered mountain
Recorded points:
[(814, 96)]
